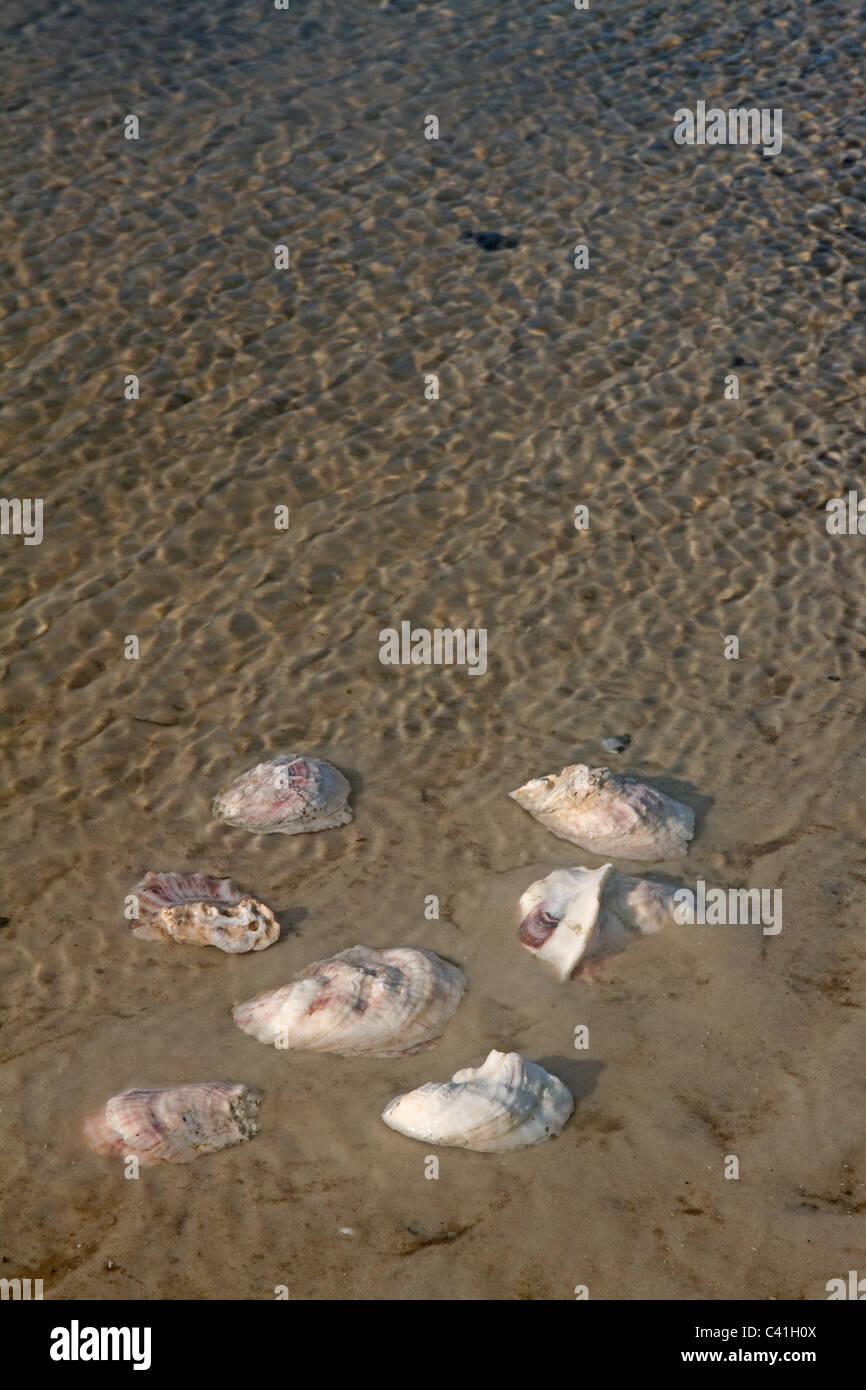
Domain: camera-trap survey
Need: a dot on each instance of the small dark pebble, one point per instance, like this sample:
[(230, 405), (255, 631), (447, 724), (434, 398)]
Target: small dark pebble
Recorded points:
[(617, 743), (490, 241), (4, 921)]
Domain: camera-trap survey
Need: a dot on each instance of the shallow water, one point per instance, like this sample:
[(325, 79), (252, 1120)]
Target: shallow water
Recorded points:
[(558, 387)]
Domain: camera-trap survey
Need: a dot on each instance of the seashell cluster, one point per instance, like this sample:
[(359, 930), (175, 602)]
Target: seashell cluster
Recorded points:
[(288, 796), (609, 815), (576, 912), (202, 911), (506, 1103), (175, 1123), (365, 1002), (360, 1002)]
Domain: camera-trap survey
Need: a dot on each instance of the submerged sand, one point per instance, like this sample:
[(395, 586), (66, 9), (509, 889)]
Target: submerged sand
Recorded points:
[(558, 388)]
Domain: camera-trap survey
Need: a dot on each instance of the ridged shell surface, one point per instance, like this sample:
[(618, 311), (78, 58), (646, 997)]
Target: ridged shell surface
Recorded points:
[(202, 911), (609, 815), (507, 1103), (288, 796), (175, 1123), (360, 1002)]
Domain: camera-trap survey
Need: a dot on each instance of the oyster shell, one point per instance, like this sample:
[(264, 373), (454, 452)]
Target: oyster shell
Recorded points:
[(607, 814), (507, 1103), (360, 1002), (202, 911), (287, 796), (578, 912), (175, 1123)]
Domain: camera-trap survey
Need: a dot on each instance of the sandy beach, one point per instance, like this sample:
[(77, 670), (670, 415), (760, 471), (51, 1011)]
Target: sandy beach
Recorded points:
[(304, 389)]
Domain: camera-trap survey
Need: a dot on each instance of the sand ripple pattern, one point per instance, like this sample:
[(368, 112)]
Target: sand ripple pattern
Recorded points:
[(306, 389)]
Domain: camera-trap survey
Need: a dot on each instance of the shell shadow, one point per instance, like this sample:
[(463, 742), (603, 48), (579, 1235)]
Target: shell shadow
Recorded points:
[(675, 878), (356, 783), (579, 1075), (290, 919)]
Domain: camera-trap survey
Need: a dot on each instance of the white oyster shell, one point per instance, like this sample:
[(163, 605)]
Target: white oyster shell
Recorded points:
[(560, 916), (202, 911), (175, 1123), (287, 796), (573, 913), (609, 815), (507, 1103), (359, 1002)]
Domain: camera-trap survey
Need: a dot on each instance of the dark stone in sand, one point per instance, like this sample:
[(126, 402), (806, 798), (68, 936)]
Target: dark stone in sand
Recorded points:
[(617, 743), (490, 241)]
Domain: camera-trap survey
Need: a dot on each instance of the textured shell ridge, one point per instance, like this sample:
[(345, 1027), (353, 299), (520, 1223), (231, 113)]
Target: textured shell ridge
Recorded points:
[(176, 1124), (289, 795), (202, 911), (506, 1103), (609, 814), (361, 1001)]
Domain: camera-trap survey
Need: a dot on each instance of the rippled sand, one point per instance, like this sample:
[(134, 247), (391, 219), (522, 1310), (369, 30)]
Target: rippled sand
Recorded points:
[(305, 388)]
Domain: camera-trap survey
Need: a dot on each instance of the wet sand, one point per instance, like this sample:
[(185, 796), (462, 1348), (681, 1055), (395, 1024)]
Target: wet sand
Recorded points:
[(305, 389)]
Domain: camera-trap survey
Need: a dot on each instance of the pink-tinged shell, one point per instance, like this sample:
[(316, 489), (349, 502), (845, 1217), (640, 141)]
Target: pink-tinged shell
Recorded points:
[(537, 927), (175, 1123), (609, 815), (202, 911), (575, 914), (288, 796), (361, 1002)]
